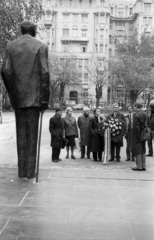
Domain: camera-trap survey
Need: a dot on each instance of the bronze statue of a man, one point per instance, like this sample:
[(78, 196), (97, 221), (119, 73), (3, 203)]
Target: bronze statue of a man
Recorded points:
[(26, 77)]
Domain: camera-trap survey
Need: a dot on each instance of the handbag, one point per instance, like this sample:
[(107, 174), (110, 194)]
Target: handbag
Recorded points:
[(145, 134), (64, 143)]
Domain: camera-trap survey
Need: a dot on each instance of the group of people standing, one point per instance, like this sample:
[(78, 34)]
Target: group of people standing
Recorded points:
[(88, 129)]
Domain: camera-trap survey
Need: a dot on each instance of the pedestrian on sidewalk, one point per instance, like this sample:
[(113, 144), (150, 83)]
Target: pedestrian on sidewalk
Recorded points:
[(151, 126), (138, 146), (83, 124), (129, 127), (70, 131), (25, 74), (97, 144), (56, 130), (116, 146)]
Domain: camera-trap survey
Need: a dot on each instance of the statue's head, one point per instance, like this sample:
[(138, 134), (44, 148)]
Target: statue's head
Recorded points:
[(28, 27)]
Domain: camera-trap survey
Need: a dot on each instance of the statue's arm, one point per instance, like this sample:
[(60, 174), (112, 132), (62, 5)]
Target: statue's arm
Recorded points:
[(6, 71), (44, 71)]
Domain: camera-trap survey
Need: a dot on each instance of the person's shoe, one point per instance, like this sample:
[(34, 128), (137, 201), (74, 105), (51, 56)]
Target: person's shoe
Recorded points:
[(67, 157), (128, 159), (149, 155), (111, 160), (59, 159), (81, 157), (143, 169), (100, 160), (95, 160), (55, 160), (73, 157), (88, 157), (136, 169), (118, 160), (133, 160)]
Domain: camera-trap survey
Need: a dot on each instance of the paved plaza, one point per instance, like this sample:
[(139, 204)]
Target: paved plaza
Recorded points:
[(74, 199)]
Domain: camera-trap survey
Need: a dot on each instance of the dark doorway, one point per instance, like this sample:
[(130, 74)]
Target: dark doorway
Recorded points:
[(73, 96)]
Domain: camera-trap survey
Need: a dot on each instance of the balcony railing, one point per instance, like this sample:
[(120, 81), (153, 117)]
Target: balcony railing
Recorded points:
[(74, 39)]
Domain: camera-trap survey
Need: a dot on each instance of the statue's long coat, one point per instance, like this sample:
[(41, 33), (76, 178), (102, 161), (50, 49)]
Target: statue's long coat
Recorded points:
[(25, 72)]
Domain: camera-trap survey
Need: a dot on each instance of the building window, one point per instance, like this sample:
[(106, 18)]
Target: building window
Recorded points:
[(101, 34), (111, 25), (80, 1), (66, 18), (80, 77), (85, 92), (75, 18), (121, 12), (80, 63), (48, 34), (84, 48), (111, 10), (84, 31), (96, 48), (110, 52), (85, 77), (86, 63), (65, 48), (70, 3), (120, 26), (65, 31), (105, 48), (75, 31), (147, 7), (144, 20), (101, 48), (90, 2), (110, 39), (52, 46), (84, 18), (96, 34), (60, 2), (130, 11), (150, 21)]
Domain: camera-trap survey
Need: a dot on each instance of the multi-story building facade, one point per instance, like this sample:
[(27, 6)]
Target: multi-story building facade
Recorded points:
[(92, 27), (125, 16), (79, 27)]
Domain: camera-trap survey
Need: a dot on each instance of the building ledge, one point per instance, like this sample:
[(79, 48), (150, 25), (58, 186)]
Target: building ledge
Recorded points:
[(124, 18)]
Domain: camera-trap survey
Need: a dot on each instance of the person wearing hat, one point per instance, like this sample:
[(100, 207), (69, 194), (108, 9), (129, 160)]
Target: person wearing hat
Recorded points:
[(83, 124), (150, 124), (25, 74), (116, 146), (56, 130), (138, 147)]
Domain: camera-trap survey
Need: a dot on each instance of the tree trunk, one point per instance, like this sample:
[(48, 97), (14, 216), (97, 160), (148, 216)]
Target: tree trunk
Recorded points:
[(98, 94), (61, 93), (133, 96)]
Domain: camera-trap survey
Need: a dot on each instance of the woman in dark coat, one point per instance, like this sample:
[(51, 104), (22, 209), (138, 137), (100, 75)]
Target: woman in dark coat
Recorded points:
[(138, 147), (71, 131), (97, 144), (56, 130)]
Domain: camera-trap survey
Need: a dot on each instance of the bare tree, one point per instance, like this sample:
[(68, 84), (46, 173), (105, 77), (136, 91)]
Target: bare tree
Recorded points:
[(63, 72), (98, 75)]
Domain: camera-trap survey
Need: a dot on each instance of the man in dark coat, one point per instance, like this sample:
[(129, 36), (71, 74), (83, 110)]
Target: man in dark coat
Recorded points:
[(83, 124), (97, 138), (129, 127), (26, 77), (151, 126), (56, 130), (117, 145), (138, 146)]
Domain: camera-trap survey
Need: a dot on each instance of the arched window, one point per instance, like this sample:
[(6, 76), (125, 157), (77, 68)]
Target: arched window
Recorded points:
[(65, 31), (75, 31)]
